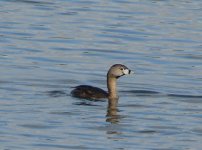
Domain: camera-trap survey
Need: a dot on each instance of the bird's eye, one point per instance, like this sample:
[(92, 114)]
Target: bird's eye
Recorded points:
[(121, 68)]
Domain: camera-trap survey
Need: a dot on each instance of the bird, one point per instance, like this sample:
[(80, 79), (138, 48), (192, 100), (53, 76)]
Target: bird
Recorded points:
[(90, 92)]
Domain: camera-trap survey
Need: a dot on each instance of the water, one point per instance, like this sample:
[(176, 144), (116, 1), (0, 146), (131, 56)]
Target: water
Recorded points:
[(47, 47)]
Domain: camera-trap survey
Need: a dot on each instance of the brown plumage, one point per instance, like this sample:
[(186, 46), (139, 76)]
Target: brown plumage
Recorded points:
[(91, 92)]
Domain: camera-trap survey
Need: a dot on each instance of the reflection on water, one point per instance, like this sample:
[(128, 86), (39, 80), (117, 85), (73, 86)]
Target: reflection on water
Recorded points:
[(49, 47), (57, 93), (112, 115)]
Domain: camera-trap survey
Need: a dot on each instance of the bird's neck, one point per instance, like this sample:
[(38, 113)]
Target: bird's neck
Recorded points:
[(111, 85)]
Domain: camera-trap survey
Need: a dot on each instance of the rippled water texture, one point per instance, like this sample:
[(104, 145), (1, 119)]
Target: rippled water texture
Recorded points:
[(47, 47)]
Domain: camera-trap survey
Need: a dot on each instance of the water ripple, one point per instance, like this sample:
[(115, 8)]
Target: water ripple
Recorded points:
[(47, 47)]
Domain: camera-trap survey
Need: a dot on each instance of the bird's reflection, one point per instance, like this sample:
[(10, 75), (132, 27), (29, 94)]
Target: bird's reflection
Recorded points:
[(112, 115), (113, 129)]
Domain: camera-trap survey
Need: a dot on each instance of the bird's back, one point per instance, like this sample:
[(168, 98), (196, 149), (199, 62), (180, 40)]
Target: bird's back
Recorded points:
[(89, 92)]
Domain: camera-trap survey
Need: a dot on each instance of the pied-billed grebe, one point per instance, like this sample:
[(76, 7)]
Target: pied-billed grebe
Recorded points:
[(90, 92)]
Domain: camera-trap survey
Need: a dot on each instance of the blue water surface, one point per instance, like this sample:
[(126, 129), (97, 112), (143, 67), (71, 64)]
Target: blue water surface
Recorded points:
[(48, 47)]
